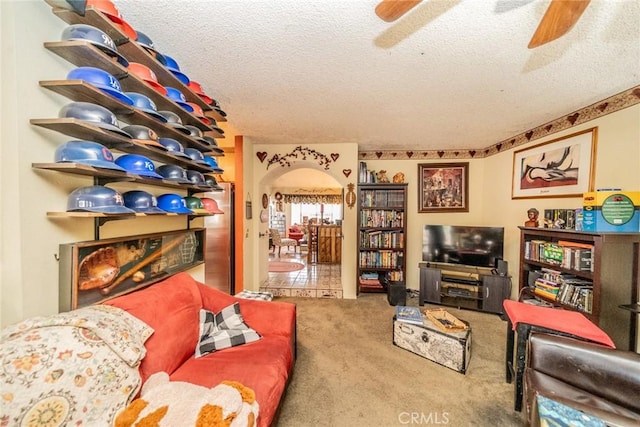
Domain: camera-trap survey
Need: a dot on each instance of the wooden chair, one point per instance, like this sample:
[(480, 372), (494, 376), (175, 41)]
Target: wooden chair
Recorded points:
[(279, 241)]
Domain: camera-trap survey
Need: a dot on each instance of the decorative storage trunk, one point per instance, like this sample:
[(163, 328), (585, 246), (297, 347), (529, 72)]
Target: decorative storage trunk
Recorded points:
[(450, 349)]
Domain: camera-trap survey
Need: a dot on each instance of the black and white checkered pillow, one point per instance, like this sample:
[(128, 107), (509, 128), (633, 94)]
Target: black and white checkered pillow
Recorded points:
[(223, 330)]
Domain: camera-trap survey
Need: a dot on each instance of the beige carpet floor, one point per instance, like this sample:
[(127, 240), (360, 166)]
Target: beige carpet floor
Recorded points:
[(349, 373)]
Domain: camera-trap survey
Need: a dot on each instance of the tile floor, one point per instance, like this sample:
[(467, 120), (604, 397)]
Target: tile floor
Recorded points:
[(313, 281)]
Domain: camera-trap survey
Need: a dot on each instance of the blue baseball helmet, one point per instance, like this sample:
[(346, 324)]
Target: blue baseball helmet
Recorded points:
[(174, 173), (97, 198), (172, 66), (173, 203), (96, 37), (100, 79), (141, 201), (173, 146), (178, 97), (93, 113), (144, 103), (87, 153), (214, 164), (138, 164)]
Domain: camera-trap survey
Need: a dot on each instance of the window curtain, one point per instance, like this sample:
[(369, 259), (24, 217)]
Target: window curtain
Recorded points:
[(326, 199)]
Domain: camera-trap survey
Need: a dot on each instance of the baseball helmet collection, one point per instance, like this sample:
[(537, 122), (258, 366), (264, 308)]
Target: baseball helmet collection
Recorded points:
[(213, 144), (199, 113), (94, 114), (174, 121), (195, 155), (111, 11), (96, 37), (138, 165), (142, 202), (147, 75), (196, 205), (145, 104), (196, 134), (143, 135), (196, 178), (178, 97), (102, 199), (100, 79), (173, 146), (173, 203), (214, 164), (211, 205), (173, 66), (212, 183), (174, 173), (87, 153), (145, 41), (97, 198)]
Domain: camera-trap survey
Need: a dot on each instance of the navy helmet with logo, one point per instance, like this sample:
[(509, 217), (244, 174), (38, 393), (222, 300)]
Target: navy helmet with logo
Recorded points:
[(97, 198), (87, 153)]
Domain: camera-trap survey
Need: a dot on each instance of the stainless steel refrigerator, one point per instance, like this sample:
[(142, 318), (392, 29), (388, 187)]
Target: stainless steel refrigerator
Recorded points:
[(220, 243)]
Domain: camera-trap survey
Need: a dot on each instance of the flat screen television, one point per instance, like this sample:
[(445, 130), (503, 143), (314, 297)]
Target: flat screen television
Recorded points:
[(465, 245)]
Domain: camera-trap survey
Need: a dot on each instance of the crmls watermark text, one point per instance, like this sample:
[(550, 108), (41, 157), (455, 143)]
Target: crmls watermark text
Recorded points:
[(423, 418)]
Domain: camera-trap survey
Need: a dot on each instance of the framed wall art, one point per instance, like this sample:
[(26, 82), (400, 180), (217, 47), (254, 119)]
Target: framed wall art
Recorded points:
[(443, 187), (94, 271), (563, 167)]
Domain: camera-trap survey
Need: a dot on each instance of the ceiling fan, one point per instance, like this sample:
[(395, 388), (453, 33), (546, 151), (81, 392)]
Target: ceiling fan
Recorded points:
[(560, 17)]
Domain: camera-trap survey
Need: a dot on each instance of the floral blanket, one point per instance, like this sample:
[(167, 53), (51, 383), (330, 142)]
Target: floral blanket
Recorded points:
[(76, 368)]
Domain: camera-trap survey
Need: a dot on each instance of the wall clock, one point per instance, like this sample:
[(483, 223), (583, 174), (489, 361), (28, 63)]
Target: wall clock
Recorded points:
[(265, 200)]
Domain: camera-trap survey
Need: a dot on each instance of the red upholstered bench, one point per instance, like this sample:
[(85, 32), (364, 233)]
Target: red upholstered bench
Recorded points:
[(526, 318)]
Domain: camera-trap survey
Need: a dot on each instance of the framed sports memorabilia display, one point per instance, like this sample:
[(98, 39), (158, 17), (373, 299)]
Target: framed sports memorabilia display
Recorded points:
[(94, 271)]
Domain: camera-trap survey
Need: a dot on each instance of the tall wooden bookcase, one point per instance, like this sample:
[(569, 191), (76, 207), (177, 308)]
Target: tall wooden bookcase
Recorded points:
[(382, 240), (613, 275)]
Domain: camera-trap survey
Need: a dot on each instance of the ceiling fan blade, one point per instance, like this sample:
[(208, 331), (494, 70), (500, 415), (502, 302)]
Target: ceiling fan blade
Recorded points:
[(559, 18), (390, 10)]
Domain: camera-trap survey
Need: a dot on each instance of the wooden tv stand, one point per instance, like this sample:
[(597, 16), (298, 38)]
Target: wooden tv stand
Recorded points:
[(461, 286)]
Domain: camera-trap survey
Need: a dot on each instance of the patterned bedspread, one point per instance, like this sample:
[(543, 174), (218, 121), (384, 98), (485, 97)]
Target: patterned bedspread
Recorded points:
[(77, 368)]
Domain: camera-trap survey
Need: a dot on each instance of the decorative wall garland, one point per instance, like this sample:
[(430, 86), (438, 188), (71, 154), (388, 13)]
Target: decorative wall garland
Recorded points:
[(301, 153), (609, 105)]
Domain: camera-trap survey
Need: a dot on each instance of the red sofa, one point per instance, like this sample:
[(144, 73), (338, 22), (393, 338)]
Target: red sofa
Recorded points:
[(171, 308)]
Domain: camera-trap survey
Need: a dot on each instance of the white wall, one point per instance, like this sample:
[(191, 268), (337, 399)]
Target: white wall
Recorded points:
[(29, 274), (617, 165)]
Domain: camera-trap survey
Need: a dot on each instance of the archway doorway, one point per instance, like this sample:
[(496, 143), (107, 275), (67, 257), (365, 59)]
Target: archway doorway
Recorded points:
[(306, 201)]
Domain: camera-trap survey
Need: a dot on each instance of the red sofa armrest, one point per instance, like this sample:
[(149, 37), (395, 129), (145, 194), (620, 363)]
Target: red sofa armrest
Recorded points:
[(266, 317)]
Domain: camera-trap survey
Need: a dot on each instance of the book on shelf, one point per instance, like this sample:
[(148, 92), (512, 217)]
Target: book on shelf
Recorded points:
[(409, 314)]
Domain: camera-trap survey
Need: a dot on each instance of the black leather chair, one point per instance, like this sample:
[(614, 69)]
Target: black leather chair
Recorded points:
[(591, 378)]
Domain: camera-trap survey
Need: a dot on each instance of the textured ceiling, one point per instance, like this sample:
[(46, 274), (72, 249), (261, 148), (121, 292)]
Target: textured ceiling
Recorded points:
[(450, 74)]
